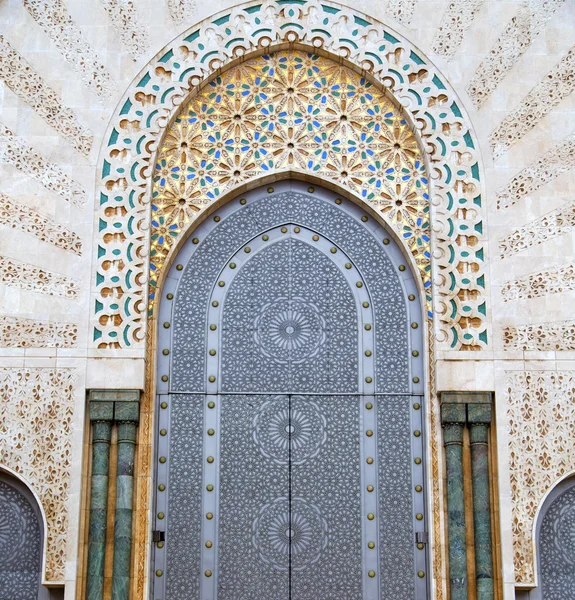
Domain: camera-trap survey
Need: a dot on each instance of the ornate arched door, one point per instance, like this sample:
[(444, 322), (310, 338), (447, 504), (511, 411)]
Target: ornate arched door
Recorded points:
[(290, 387), (556, 544), (20, 542)]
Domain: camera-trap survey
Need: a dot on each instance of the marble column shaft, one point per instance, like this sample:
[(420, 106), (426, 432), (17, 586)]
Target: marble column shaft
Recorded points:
[(106, 408), (453, 417), (123, 518), (101, 415), (479, 419)]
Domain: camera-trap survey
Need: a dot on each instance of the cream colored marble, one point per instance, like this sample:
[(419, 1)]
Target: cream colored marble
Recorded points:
[(43, 174)]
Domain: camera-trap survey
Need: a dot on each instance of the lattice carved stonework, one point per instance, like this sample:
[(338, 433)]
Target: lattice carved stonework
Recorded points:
[(541, 421), (18, 332), (30, 86), (127, 162), (553, 163), (27, 220), (124, 18), (32, 278), (556, 223), (401, 10), (180, 10), (56, 21), (524, 27), (543, 98), (38, 405), (543, 283), (541, 336), (24, 158), (458, 18)]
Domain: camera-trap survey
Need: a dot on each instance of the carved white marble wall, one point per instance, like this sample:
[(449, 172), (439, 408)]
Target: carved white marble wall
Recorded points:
[(64, 68)]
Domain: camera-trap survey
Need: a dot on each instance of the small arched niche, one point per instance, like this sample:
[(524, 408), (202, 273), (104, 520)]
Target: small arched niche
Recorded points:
[(555, 545), (21, 543)]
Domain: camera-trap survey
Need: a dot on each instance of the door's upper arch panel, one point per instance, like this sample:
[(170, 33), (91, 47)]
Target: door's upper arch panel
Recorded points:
[(290, 320), (397, 352)]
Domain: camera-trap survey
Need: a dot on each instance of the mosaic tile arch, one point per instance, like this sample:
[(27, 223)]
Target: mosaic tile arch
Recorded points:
[(128, 159), (298, 112)]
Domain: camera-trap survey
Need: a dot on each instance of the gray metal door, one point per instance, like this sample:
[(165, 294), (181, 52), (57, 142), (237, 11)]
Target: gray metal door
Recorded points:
[(290, 453)]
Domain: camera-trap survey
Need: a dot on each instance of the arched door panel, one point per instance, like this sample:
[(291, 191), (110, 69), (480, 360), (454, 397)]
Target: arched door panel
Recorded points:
[(215, 243), (20, 543), (289, 319), (290, 455), (556, 544)]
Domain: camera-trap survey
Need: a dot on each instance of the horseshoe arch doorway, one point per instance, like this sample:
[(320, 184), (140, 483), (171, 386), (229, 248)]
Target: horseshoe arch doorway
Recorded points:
[(290, 395)]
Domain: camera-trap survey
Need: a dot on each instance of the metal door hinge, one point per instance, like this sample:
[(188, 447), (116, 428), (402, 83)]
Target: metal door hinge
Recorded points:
[(421, 537), (158, 536)]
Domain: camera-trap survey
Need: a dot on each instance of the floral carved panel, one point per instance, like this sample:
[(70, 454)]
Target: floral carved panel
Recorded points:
[(541, 422), (36, 412)]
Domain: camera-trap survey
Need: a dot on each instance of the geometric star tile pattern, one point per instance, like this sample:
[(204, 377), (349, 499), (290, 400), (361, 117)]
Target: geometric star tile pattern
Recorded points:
[(290, 111)]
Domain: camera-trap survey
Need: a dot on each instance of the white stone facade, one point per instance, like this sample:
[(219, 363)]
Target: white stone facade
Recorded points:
[(67, 69)]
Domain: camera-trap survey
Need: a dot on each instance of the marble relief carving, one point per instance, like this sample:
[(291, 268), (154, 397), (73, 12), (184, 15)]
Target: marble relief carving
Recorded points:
[(56, 21), (554, 224), (560, 159), (541, 420), (123, 15), (543, 283), (458, 18), (31, 87), (19, 332), (401, 10), (24, 219), (38, 405), (181, 10), (15, 152), (540, 336), (524, 27), (546, 95), (32, 278)]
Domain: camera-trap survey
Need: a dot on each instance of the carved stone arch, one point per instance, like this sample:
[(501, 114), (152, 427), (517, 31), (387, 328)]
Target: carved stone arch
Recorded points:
[(126, 160), (553, 542), (23, 518)]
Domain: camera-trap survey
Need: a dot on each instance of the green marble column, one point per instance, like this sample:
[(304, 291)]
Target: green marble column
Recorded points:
[(453, 417), (106, 408), (127, 417), (479, 419), (101, 415)]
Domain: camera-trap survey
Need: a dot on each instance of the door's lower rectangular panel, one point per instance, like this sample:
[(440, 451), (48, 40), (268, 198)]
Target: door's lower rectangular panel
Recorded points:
[(184, 489), (326, 525), (398, 449), (254, 515)]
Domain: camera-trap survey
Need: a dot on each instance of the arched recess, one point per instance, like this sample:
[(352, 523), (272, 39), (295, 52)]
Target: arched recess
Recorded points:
[(554, 542), (22, 539), (290, 396), (127, 160), (446, 140)]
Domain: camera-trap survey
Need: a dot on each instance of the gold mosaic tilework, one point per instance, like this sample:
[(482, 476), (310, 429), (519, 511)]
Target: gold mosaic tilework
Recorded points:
[(289, 112)]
